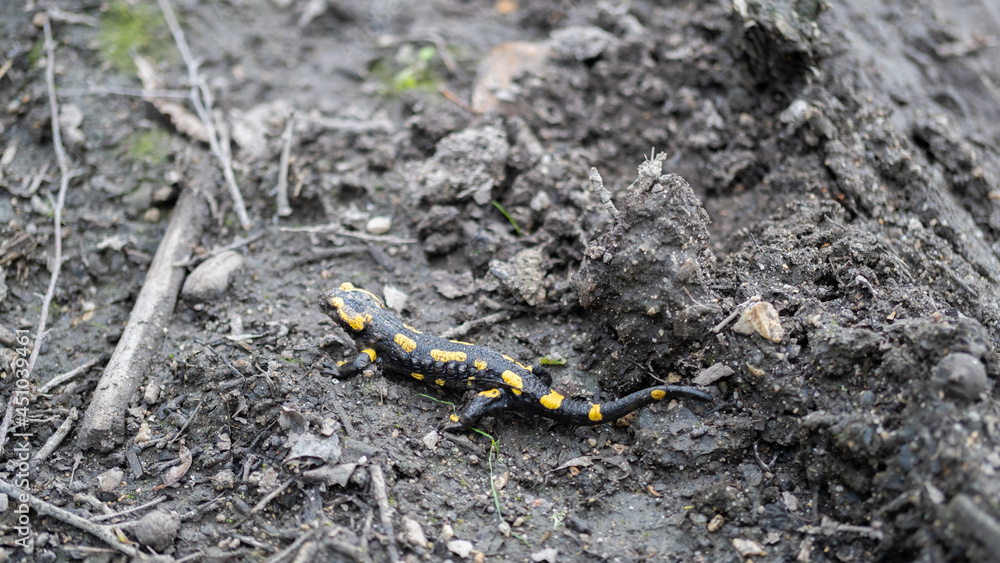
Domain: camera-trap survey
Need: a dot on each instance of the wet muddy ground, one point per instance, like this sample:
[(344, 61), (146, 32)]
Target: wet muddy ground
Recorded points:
[(804, 221)]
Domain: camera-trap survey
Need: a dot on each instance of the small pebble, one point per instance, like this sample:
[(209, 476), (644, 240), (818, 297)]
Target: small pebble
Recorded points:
[(461, 548), (212, 277), (110, 479), (379, 225), (157, 529), (413, 532), (431, 439), (748, 548)]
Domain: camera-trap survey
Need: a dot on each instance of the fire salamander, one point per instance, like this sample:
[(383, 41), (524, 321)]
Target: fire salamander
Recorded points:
[(501, 382)]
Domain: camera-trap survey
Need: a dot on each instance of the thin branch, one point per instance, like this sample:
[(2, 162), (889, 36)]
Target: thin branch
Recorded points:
[(55, 439), (120, 513), (115, 91), (60, 379), (240, 241), (64, 177), (57, 207), (284, 209), (105, 533), (335, 229), (464, 328), (201, 97), (736, 312), (384, 509), (263, 502)]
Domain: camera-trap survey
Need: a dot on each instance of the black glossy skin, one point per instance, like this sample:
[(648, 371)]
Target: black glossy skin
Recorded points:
[(502, 383)]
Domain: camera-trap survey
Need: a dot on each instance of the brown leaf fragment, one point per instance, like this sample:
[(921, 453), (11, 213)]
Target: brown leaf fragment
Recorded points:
[(183, 120), (175, 473)]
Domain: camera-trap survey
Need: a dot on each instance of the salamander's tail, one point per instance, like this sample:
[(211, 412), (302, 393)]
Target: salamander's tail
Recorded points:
[(560, 409), (588, 414)]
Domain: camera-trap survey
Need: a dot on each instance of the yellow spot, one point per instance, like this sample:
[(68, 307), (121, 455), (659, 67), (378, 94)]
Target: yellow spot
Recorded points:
[(439, 382), (480, 365), (513, 380), (370, 352), (553, 400), (658, 394), (340, 363), (443, 356), (347, 286), (405, 342), (357, 321), (460, 342), (491, 393), (454, 418), (418, 376), (508, 358), (411, 328), (595, 413)]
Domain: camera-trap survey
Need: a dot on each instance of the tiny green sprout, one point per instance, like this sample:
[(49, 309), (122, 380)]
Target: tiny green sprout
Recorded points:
[(517, 228), (436, 400)]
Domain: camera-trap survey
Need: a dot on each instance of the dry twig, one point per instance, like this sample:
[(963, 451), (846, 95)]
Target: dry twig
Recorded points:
[(57, 207), (201, 97), (55, 439), (121, 513), (270, 496), (106, 533), (336, 230), (60, 379), (384, 510), (284, 209), (104, 422), (464, 328)]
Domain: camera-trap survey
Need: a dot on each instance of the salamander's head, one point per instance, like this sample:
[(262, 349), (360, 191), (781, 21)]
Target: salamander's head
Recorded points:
[(350, 307)]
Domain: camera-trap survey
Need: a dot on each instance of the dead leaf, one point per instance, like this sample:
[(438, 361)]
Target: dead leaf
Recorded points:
[(175, 473)]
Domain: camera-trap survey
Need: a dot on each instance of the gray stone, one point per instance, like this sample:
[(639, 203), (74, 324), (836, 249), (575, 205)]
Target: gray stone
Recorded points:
[(212, 277)]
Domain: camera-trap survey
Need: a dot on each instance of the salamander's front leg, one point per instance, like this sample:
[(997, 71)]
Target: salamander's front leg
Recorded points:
[(542, 373), (364, 361), (486, 402)]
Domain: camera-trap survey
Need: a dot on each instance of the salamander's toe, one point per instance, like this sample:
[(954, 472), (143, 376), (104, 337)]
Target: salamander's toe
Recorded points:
[(453, 424)]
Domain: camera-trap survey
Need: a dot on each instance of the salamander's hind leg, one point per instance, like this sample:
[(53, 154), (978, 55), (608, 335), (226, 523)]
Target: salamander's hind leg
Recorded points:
[(344, 369), (486, 402)]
